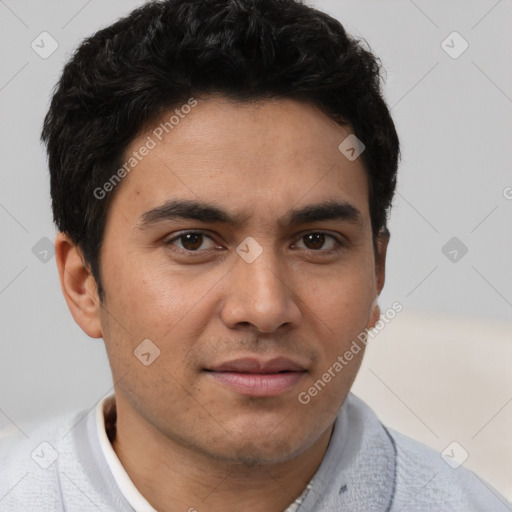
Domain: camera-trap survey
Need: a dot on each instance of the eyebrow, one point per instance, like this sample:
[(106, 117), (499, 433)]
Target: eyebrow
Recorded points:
[(209, 213)]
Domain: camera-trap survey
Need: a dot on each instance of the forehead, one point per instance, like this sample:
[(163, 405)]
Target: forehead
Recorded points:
[(259, 158)]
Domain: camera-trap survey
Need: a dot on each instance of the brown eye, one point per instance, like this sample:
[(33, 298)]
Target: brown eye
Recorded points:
[(321, 242), (314, 240), (192, 241)]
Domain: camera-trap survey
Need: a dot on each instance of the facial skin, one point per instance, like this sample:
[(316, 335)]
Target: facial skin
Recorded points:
[(185, 438)]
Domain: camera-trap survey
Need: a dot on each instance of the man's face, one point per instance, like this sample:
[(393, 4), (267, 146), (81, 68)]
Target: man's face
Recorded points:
[(223, 300)]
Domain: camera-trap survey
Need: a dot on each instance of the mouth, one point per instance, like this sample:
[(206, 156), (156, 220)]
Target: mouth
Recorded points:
[(258, 378)]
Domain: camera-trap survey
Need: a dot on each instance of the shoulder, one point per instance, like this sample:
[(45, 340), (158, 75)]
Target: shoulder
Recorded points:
[(29, 478), (426, 481)]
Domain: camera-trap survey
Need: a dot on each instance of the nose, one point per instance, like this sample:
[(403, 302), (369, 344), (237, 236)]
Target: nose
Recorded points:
[(260, 294)]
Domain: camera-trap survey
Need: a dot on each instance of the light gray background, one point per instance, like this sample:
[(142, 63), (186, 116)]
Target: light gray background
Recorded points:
[(454, 121)]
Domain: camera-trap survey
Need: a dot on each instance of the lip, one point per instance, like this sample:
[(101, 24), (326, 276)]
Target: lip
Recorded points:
[(258, 378), (253, 365)]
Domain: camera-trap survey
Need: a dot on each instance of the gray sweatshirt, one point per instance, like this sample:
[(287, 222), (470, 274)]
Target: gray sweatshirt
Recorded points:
[(367, 468)]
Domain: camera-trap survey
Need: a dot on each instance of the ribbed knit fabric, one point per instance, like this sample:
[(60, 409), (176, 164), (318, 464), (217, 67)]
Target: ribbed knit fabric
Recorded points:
[(62, 467)]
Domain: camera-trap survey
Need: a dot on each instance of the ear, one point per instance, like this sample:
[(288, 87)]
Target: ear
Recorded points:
[(78, 286), (381, 248)]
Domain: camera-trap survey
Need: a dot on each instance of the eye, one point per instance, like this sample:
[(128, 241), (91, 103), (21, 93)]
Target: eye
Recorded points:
[(317, 240), (192, 241)]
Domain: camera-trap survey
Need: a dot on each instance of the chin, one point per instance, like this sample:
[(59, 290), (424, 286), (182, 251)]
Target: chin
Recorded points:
[(266, 448), (254, 454)]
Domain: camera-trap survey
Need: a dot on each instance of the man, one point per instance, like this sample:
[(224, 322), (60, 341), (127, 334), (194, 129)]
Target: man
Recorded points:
[(221, 176)]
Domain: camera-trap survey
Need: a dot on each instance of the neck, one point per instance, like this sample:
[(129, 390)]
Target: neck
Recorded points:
[(174, 477)]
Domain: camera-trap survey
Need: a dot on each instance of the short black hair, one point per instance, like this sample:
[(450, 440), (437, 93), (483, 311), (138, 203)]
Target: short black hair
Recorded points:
[(167, 52)]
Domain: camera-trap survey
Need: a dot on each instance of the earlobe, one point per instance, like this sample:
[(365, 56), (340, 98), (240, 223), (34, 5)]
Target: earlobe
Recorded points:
[(78, 286), (374, 314), (380, 258), (382, 242)]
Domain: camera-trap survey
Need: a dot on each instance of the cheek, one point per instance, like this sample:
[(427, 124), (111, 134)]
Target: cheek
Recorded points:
[(153, 301), (339, 312), (343, 302), (143, 294)]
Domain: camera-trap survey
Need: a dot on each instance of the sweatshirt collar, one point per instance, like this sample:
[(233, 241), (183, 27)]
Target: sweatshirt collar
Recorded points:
[(105, 426)]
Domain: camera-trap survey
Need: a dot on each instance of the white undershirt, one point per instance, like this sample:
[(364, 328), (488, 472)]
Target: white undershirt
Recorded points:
[(123, 481)]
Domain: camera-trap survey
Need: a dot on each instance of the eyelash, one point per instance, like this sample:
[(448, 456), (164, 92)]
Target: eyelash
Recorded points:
[(337, 248)]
